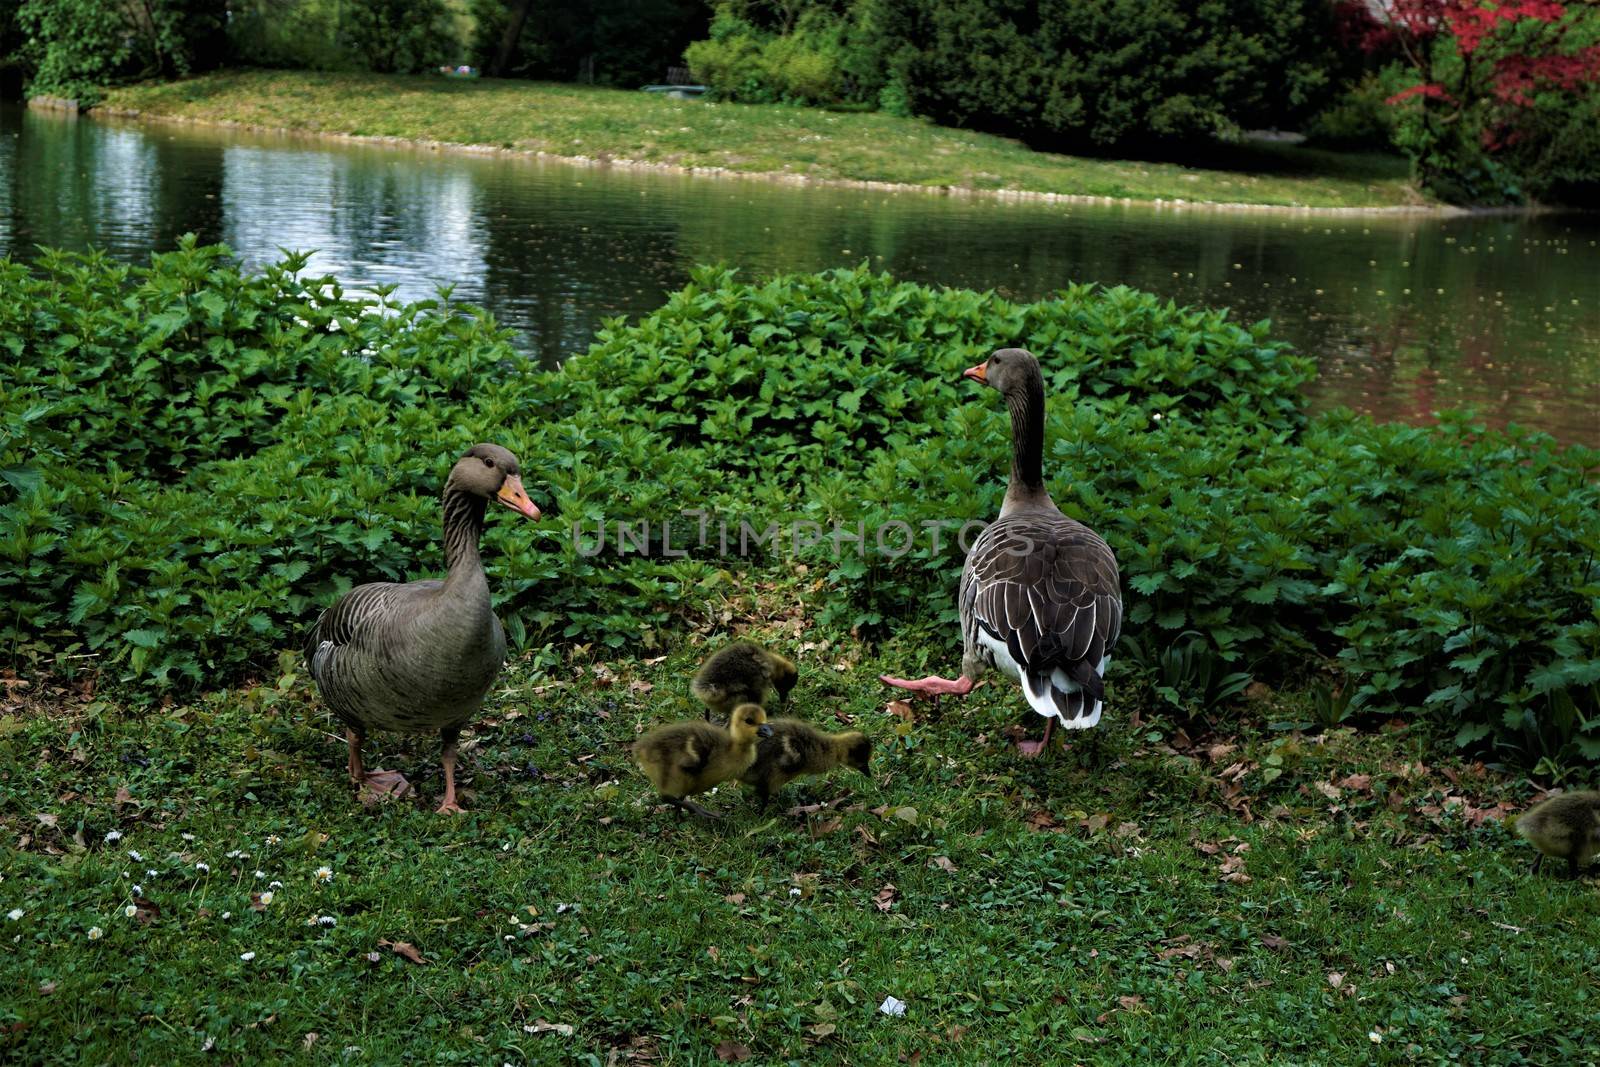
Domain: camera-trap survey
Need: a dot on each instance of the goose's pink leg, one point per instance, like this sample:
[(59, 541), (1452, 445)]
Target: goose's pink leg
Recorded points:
[(379, 783), (449, 806), (1032, 749), (931, 686)]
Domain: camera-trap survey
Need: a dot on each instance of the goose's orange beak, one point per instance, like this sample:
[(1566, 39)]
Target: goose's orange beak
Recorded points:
[(513, 496), (979, 374)]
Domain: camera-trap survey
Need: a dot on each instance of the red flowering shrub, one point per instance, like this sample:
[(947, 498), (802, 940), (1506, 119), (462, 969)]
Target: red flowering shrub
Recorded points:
[(1498, 100)]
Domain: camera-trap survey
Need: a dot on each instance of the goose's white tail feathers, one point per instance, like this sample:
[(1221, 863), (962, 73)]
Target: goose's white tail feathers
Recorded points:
[(1057, 696)]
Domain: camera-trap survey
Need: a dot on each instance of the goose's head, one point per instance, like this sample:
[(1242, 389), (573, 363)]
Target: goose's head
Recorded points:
[(1010, 370), (492, 472)]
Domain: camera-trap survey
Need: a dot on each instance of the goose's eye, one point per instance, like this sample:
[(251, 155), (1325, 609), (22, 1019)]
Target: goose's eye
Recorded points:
[(487, 462)]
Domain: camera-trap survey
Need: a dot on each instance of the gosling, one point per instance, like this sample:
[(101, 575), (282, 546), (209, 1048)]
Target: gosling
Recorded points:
[(742, 673), (796, 748), (682, 758), (1567, 826)]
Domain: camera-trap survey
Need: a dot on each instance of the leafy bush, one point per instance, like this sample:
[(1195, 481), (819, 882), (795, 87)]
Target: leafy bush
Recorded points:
[(399, 36), (74, 48), (1359, 119), (743, 61), (1091, 73), (293, 438), (1494, 104)]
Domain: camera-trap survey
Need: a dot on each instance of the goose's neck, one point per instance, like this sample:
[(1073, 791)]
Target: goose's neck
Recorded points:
[(1027, 445), (463, 526)]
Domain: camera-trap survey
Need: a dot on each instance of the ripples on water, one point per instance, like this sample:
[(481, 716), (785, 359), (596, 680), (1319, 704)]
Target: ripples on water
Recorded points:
[(1405, 315)]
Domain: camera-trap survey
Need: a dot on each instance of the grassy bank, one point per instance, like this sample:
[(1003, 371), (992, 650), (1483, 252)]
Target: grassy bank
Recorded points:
[(597, 123), (1239, 897)]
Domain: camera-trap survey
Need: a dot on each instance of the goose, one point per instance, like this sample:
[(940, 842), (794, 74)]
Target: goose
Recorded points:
[(420, 656), (742, 673), (1567, 826), (1040, 598)]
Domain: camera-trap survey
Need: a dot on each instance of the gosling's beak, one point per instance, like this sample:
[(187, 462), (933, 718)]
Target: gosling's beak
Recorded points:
[(979, 374), (763, 730), (513, 496)]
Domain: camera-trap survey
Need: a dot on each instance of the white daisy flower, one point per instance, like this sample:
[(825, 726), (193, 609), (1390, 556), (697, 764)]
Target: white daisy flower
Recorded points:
[(203, 868), (15, 913), (135, 857), (152, 874), (247, 956), (324, 874), (113, 835), (261, 874), (95, 933), (227, 915), (138, 890), (327, 920), (274, 885), (273, 839), (266, 898), (187, 837), (130, 911)]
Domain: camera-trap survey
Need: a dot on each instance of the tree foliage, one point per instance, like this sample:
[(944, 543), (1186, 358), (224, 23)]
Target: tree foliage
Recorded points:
[(613, 42), (76, 47), (1496, 101)]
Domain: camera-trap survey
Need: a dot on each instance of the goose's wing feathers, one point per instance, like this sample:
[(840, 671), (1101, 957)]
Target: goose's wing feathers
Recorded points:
[(361, 614), (1043, 593), (359, 636)]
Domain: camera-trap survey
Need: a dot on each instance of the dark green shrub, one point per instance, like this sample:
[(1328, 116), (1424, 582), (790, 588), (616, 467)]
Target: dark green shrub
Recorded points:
[(1447, 572), (399, 36), (1076, 72), (74, 48)]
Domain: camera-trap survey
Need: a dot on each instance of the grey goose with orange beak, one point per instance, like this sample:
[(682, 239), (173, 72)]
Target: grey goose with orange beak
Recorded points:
[(1040, 596), (420, 656)]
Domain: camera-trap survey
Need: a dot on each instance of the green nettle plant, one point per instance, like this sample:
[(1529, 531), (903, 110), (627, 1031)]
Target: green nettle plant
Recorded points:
[(293, 436)]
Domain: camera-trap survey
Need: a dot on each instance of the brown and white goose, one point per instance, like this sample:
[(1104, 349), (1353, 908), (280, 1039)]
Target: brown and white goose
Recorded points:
[(1040, 597), (420, 656)]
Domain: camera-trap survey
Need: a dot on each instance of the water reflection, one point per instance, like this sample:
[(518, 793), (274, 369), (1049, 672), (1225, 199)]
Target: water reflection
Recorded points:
[(1405, 315)]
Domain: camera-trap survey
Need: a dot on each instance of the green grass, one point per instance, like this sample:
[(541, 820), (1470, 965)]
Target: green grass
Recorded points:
[(1166, 903), (574, 120)]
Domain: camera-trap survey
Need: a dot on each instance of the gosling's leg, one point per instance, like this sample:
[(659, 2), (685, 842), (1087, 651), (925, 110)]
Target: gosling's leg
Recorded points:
[(685, 804), (1538, 861), (1572, 866), (448, 736)]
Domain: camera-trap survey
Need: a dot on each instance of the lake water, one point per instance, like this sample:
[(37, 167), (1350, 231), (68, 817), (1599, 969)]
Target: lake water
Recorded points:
[(1405, 315)]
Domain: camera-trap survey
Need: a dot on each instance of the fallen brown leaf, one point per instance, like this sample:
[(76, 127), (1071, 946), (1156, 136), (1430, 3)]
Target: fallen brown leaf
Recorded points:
[(734, 898), (901, 710), (884, 899), (943, 863), (403, 948), (732, 1052), (122, 797)]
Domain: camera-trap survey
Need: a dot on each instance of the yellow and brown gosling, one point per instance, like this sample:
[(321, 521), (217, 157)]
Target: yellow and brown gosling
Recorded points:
[(796, 748), (742, 673), (683, 758), (1567, 826)]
